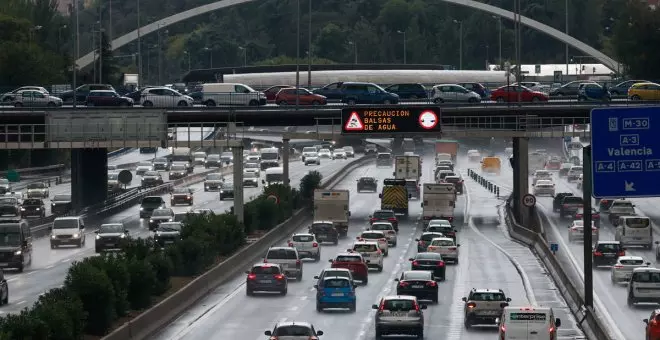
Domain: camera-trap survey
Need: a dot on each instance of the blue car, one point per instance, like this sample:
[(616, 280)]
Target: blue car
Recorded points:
[(366, 93), (593, 92), (335, 292)]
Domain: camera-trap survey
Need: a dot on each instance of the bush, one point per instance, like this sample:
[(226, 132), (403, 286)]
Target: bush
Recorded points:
[(115, 267), (142, 282), (24, 325), (162, 267), (308, 184), (62, 313), (95, 290)]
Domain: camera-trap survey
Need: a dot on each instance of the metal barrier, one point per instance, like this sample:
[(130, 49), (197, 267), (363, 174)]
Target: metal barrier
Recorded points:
[(484, 182)]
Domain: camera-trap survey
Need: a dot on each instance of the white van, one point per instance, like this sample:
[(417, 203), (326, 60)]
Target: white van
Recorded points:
[(634, 231), (274, 176), (215, 94), (528, 323)]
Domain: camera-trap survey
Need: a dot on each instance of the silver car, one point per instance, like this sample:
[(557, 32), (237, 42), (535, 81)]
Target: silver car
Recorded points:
[(399, 315), (33, 98), (37, 190), (453, 93), (312, 158), (143, 167)]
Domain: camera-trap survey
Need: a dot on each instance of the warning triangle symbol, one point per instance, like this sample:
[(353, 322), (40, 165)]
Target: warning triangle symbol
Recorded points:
[(354, 123)]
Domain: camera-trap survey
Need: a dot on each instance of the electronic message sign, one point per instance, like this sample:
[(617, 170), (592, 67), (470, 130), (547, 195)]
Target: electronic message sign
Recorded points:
[(405, 119)]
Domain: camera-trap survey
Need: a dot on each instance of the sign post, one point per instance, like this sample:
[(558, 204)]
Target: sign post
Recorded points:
[(400, 120)]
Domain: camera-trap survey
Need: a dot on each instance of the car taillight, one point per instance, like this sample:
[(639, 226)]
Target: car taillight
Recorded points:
[(450, 218), (618, 266), (290, 244), (577, 216), (573, 228), (265, 261), (597, 253), (415, 263), (382, 240), (298, 263), (471, 305), (403, 284), (594, 229), (595, 216), (421, 243), (279, 277), (416, 305), (441, 263), (502, 332), (272, 338), (252, 276), (392, 219), (431, 284), (379, 252), (427, 217), (450, 233), (565, 205), (452, 248), (391, 232), (432, 248), (622, 253), (315, 245), (373, 219), (653, 323), (187, 197), (551, 329), (381, 307)]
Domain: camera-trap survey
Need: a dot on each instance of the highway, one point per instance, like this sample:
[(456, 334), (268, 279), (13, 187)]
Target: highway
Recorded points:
[(227, 313)]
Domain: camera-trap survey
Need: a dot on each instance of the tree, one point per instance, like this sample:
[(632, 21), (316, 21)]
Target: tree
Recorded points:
[(105, 63), (636, 40)]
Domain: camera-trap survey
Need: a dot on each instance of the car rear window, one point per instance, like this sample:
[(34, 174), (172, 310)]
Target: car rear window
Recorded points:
[(365, 248), (32, 202), (452, 179), (573, 199), (293, 331), (336, 283), (266, 270), (398, 305), (384, 214), (62, 198), (647, 277), (633, 262), (381, 226), (384, 156), (637, 222), (430, 237), (417, 275), (322, 227), (303, 238), (281, 254), (488, 297), (348, 259), (608, 247), (443, 243), (439, 228)]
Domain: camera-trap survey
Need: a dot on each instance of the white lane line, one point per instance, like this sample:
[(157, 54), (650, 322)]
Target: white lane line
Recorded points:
[(21, 302), (455, 330)]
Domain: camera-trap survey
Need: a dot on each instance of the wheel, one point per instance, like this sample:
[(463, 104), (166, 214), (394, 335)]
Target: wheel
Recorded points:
[(387, 253), (18, 104), (380, 268), (20, 268), (147, 104), (52, 246), (172, 203), (420, 333), (315, 103), (123, 104), (438, 100), (51, 104), (631, 300), (635, 97), (182, 103), (248, 292), (500, 99), (612, 279), (335, 242), (6, 299), (206, 189), (472, 100), (379, 334), (351, 102), (387, 102), (366, 280), (319, 308), (253, 103), (456, 261), (467, 323), (283, 292), (353, 307), (190, 203), (97, 250), (210, 103), (299, 276), (317, 258), (536, 99), (435, 299)]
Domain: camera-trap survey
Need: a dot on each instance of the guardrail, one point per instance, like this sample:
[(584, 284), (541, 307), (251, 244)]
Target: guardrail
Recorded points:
[(484, 182), (36, 170), (594, 327), (157, 316), (119, 152)]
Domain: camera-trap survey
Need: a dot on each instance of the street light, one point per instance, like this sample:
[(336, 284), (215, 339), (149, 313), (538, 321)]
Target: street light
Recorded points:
[(405, 46), (244, 49), (297, 52), (460, 43), (355, 52), (566, 55), (211, 55), (188, 54), (499, 39)]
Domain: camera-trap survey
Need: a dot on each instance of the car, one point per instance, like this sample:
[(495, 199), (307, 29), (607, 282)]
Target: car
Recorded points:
[(301, 96), (442, 226), (445, 246), (227, 157), (5, 186), (623, 268), (214, 181), (294, 330), (151, 179), (107, 98), (288, 258), (182, 196), (385, 216), (557, 200), (354, 262), (149, 204), (143, 167), (177, 171), (425, 240), (544, 187), (10, 96), (399, 315), (68, 230), (595, 216), (449, 93), (335, 292), (253, 157), (110, 236), (250, 179), (350, 152), (212, 161), (199, 158), (227, 191), (388, 229), (553, 164), (272, 91), (306, 245), (312, 158), (324, 231), (564, 168), (540, 175), (644, 286), (528, 322), (325, 153), (652, 328), (371, 252), (159, 216), (252, 167), (570, 205), (4, 289), (37, 190), (620, 208), (419, 284), (266, 277), (578, 182), (35, 98), (60, 204), (367, 184), (164, 97), (376, 236), (431, 262), (484, 306), (339, 154), (167, 233), (576, 231), (33, 207), (457, 180), (442, 174), (574, 173), (606, 253), (408, 90), (160, 164), (511, 93), (334, 272)]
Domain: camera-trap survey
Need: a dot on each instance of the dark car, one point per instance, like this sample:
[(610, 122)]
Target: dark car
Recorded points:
[(385, 216), (272, 91), (266, 277), (181, 196), (167, 233), (10, 206), (593, 92), (606, 253), (424, 241), (83, 91), (419, 284), (621, 89), (213, 161), (107, 98), (161, 164), (478, 88), (214, 182), (595, 216), (367, 184), (570, 205), (366, 93), (324, 232), (151, 179), (408, 91), (227, 191), (110, 236), (33, 207), (557, 200), (569, 89), (60, 204), (564, 168), (159, 216), (431, 262), (149, 204), (288, 96), (178, 171), (331, 91)]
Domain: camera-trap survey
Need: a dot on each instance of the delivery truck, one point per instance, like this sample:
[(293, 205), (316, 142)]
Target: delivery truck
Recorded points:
[(447, 146), (439, 200), (333, 206)]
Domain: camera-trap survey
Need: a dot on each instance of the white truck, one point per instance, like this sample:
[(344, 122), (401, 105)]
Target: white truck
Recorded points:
[(439, 200), (180, 155), (333, 206), (274, 176), (269, 158), (408, 167)]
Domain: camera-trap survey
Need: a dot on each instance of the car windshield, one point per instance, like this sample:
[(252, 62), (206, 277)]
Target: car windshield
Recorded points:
[(111, 228), (266, 270), (36, 186), (348, 258), (312, 154), (443, 243), (384, 156), (32, 202), (214, 177), (10, 236), (228, 186), (160, 160), (152, 200), (399, 305), (150, 174), (181, 191), (324, 151), (488, 297), (365, 248), (430, 237), (62, 198), (199, 155), (576, 168), (251, 166), (303, 238), (144, 164), (69, 223), (213, 157), (177, 167), (417, 275), (293, 331), (269, 156), (8, 200), (227, 154), (440, 223), (309, 149), (322, 227), (384, 214), (367, 179), (382, 226), (428, 256), (250, 175), (647, 277), (162, 212), (174, 226), (336, 283), (281, 254), (113, 177), (254, 153)]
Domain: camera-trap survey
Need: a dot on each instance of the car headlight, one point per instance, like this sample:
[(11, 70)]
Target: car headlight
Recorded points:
[(151, 221), (36, 209), (141, 208), (53, 236), (18, 252), (22, 209), (122, 236), (169, 220), (76, 235), (98, 237), (222, 191)]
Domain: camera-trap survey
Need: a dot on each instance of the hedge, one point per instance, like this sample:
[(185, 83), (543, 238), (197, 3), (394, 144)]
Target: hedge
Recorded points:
[(99, 290)]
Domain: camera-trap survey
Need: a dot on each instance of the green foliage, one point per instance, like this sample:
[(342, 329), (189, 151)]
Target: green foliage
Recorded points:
[(95, 290), (141, 284), (62, 312), (636, 41), (162, 268), (308, 184)]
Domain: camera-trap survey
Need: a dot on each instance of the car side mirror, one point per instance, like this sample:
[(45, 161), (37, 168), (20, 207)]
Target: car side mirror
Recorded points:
[(82, 227), (423, 306), (504, 304), (25, 244), (380, 195), (367, 261), (646, 321), (96, 231), (316, 277), (263, 182), (455, 230), (411, 259), (374, 306), (557, 322), (417, 239), (268, 333), (371, 216), (247, 272), (349, 250), (316, 286), (464, 299), (319, 333), (458, 245), (409, 195), (330, 260), (126, 231), (396, 280), (508, 299)]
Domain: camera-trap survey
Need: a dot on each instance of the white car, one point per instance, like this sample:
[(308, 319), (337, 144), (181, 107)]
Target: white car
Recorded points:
[(370, 250), (376, 236), (623, 268), (644, 286), (306, 245), (253, 157), (574, 173), (143, 167), (339, 154), (579, 182), (252, 167), (446, 247), (544, 187), (312, 158), (350, 152), (541, 175), (388, 229), (474, 156), (68, 230), (164, 97), (576, 231), (325, 153)]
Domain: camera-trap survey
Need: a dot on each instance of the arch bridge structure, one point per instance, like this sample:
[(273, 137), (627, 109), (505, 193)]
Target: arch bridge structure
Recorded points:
[(191, 13)]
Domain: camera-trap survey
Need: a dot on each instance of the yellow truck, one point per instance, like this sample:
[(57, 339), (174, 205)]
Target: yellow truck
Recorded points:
[(491, 165), (395, 196)]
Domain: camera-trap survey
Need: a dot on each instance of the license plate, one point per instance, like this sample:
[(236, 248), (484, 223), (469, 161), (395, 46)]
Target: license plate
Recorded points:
[(418, 286), (491, 312), (111, 245), (321, 237), (337, 294), (265, 281), (637, 238), (609, 255), (399, 314)]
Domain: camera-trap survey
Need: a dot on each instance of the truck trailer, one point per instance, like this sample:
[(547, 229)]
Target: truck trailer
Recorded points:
[(439, 200), (333, 205)]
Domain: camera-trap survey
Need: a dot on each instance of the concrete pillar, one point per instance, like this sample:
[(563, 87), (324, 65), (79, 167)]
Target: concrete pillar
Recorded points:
[(521, 178), (89, 177), (285, 161), (238, 183)]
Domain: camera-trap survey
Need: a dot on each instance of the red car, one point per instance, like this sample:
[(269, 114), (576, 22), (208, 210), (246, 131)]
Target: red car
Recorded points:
[(653, 325), (553, 164), (510, 94), (271, 92), (353, 262), (288, 97)]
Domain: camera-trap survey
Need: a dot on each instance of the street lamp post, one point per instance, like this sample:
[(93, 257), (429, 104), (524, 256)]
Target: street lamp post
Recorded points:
[(355, 51), (297, 52), (210, 54), (566, 51), (309, 46), (188, 54), (244, 49), (32, 30), (405, 46), (76, 51), (139, 41), (518, 27), (460, 43), (499, 38), (59, 35)]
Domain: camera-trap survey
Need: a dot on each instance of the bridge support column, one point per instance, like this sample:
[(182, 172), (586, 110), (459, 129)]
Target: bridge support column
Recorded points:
[(89, 177), (285, 161), (521, 178), (238, 183)]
